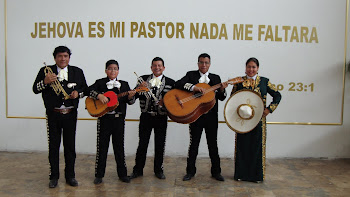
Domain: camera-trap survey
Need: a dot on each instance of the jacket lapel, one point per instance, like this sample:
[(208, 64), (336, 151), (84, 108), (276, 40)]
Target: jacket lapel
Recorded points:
[(197, 76), (54, 69), (70, 73), (162, 85)]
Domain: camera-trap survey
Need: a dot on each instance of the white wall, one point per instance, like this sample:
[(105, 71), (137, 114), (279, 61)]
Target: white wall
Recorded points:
[(18, 134)]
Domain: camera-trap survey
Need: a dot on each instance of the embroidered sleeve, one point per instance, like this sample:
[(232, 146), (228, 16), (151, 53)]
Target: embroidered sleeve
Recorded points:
[(188, 86), (40, 86), (272, 86), (93, 94), (276, 96), (272, 107)]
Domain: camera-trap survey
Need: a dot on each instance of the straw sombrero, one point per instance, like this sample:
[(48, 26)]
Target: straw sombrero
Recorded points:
[(243, 110)]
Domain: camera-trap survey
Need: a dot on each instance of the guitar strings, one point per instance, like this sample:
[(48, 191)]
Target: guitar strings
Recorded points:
[(197, 95)]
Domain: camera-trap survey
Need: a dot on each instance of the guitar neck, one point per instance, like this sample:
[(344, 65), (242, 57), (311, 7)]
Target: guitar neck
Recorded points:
[(128, 92), (123, 94), (214, 87)]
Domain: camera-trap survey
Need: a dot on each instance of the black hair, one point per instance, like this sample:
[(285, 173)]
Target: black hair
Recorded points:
[(109, 62), (252, 59), (61, 49), (204, 55), (158, 59)]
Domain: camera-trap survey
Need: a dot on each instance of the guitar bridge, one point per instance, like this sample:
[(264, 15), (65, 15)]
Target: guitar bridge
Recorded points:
[(95, 103), (179, 101)]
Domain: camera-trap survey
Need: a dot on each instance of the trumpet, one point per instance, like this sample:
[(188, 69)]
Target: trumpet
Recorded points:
[(149, 92), (56, 85)]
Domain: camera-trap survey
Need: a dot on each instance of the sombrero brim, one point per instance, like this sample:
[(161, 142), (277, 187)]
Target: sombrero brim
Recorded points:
[(232, 118)]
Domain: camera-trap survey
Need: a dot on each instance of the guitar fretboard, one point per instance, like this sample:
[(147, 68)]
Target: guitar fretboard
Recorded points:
[(212, 88), (123, 94)]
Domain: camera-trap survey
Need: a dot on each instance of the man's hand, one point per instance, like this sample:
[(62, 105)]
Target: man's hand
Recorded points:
[(103, 98), (49, 78), (74, 94), (131, 94), (223, 86), (198, 89), (143, 84)]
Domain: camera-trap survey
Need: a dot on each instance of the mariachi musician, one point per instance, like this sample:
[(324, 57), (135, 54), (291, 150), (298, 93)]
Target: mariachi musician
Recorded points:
[(111, 123), (208, 121), (61, 100), (250, 147), (153, 116)]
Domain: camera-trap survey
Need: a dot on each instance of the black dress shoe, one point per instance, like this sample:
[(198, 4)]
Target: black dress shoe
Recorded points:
[(97, 181), (135, 175), (187, 177), (53, 183), (72, 182), (125, 179), (218, 177), (160, 175)]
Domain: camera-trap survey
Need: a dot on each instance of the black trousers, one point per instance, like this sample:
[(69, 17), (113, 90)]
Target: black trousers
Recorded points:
[(107, 126), (147, 122), (61, 125), (209, 122)]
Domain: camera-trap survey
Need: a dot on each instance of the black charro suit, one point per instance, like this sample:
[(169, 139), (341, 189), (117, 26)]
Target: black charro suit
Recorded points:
[(57, 122), (111, 124), (51, 100), (250, 149), (100, 87), (208, 121), (153, 116)]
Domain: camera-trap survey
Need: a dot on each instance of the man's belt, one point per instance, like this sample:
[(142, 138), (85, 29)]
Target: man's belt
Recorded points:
[(63, 111), (152, 113), (116, 115)]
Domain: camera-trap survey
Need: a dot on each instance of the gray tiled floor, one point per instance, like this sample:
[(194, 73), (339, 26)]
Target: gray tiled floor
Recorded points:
[(26, 174)]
